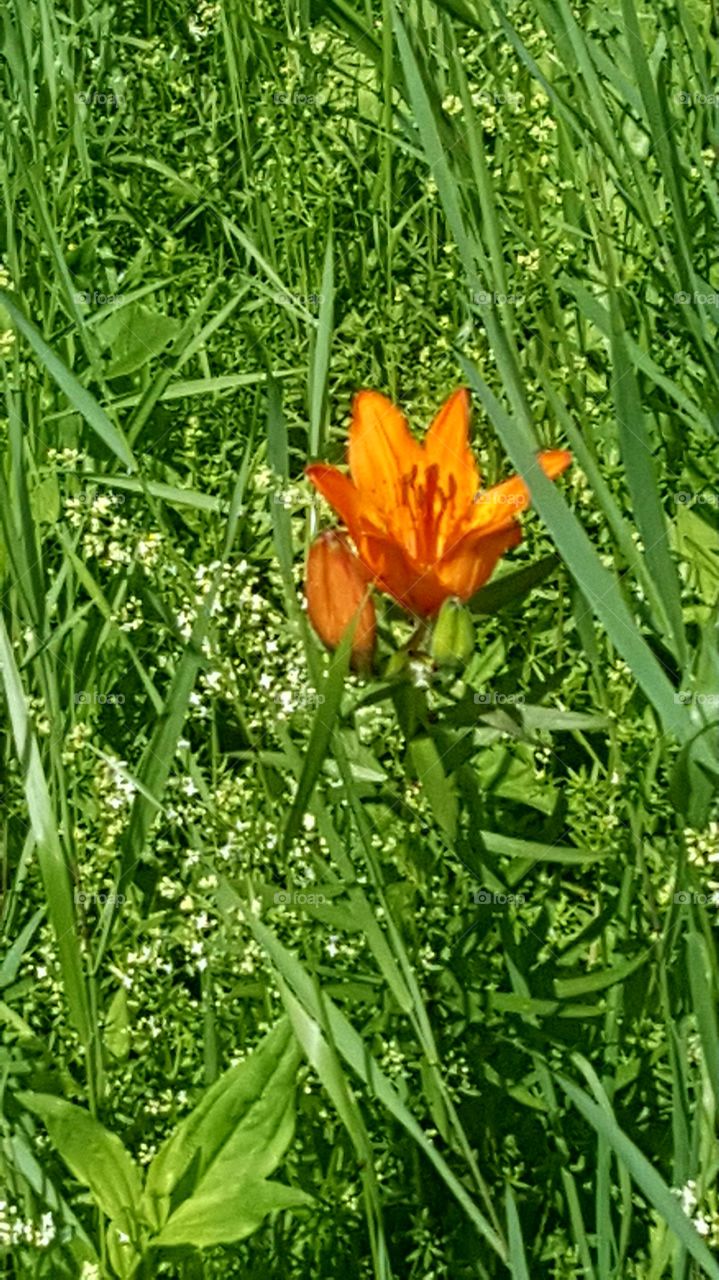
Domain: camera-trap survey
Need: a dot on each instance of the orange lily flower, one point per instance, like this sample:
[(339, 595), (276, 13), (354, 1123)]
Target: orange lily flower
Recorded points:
[(422, 526)]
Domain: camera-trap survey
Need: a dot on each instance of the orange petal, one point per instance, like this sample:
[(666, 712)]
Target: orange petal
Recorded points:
[(498, 506), (381, 449), (472, 562), (393, 570), (554, 461), (447, 444), (342, 495)]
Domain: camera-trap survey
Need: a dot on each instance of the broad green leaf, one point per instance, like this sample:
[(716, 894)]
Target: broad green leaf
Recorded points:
[(117, 1025), (122, 1252), (96, 1157), (512, 773), (134, 335), (45, 500), (350, 1045), (180, 337), (229, 1211), (240, 1130)]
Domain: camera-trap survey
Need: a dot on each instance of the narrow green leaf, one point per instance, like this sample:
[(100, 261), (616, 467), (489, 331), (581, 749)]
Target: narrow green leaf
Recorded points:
[(321, 359), (703, 990), (55, 874), (597, 584), (510, 588), (14, 954), (650, 1183), (517, 1258), (79, 396), (438, 788), (568, 988), (330, 691), (642, 480)]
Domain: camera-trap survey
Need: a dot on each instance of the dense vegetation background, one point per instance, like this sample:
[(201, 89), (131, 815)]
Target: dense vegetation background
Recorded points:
[(485, 899)]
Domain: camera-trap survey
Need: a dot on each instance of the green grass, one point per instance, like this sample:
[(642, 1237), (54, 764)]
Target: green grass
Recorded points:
[(219, 224)]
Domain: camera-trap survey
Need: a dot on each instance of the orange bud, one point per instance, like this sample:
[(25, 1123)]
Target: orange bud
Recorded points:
[(336, 585)]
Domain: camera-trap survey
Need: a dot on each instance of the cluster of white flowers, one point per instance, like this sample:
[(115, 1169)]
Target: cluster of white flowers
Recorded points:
[(7, 336), (15, 1230), (707, 1226), (201, 23), (119, 789), (703, 846)]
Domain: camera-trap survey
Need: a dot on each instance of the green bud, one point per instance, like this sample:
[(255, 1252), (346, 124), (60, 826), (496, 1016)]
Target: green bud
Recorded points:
[(397, 664), (453, 635)]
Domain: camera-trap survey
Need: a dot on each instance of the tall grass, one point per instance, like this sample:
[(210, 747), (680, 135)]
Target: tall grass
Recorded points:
[(217, 227)]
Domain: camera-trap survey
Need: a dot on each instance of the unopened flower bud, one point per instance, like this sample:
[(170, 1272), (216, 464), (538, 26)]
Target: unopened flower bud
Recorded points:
[(453, 635), (336, 587)]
